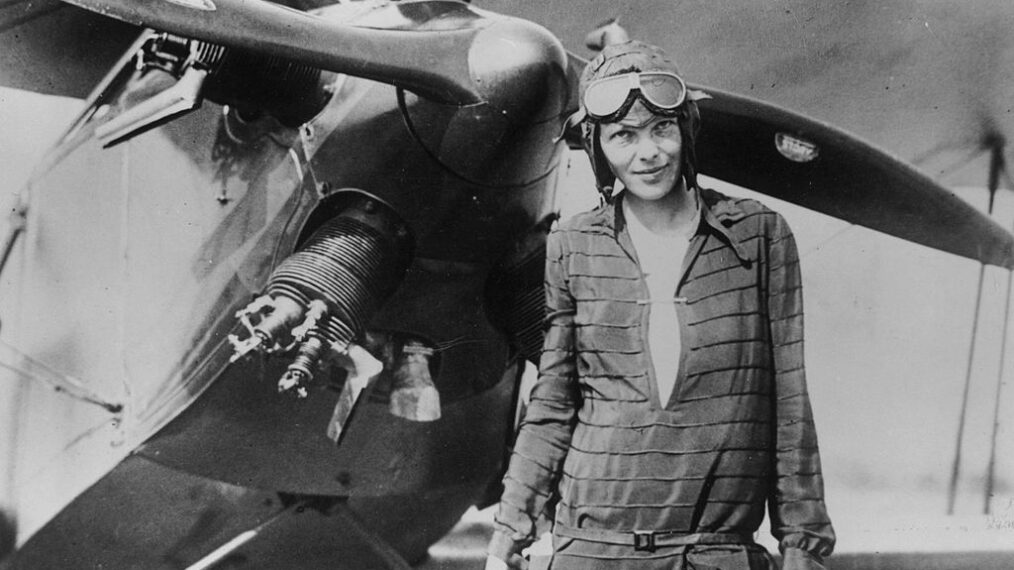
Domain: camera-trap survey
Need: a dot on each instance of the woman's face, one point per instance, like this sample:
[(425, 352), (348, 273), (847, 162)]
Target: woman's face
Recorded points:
[(644, 151)]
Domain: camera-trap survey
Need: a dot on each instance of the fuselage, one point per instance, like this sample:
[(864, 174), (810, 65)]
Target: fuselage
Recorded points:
[(154, 244)]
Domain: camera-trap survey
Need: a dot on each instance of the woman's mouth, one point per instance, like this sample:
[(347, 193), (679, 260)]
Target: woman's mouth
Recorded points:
[(650, 172)]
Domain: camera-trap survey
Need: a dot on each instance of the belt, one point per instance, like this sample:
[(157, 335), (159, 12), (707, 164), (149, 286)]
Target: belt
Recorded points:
[(649, 540)]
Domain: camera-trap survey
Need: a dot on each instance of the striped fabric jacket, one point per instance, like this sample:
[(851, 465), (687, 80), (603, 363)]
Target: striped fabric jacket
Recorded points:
[(736, 435)]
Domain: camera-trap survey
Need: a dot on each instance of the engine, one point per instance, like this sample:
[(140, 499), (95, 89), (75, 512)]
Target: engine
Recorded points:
[(319, 299)]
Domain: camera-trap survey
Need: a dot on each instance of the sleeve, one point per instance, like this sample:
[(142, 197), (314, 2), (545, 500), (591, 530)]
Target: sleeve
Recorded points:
[(545, 433), (799, 518)]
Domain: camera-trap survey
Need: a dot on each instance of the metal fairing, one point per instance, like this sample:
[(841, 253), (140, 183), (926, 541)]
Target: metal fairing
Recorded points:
[(193, 220)]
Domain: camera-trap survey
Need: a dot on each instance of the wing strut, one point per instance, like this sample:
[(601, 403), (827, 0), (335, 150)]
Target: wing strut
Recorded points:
[(377, 544), (216, 556), (337, 507)]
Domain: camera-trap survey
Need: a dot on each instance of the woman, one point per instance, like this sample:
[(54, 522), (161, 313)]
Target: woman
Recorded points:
[(671, 406)]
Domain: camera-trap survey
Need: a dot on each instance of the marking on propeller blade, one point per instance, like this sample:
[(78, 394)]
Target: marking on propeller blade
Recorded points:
[(796, 149), (206, 5)]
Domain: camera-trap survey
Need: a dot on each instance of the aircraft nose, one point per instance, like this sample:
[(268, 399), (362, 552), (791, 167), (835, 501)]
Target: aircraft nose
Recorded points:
[(520, 68)]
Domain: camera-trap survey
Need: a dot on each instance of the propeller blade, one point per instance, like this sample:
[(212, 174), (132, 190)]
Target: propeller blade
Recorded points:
[(768, 149), (434, 65)]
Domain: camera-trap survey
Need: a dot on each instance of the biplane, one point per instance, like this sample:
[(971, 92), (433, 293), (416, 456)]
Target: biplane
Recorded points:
[(275, 286)]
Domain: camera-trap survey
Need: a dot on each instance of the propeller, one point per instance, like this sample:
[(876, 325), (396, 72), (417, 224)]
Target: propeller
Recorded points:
[(433, 65)]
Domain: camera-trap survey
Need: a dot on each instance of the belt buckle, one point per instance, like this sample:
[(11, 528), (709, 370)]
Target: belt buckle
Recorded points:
[(644, 540)]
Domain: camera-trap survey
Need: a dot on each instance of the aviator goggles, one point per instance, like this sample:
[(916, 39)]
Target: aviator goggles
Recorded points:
[(610, 98)]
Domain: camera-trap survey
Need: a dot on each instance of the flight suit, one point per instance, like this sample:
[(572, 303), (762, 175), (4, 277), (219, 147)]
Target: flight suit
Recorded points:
[(642, 483)]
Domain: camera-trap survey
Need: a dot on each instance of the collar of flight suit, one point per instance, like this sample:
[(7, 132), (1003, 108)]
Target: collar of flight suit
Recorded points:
[(718, 214)]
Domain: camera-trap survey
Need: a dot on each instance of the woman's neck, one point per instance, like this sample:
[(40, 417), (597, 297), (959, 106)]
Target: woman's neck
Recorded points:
[(669, 215)]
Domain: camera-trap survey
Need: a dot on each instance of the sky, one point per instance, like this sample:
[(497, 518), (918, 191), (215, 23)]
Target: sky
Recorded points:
[(889, 327)]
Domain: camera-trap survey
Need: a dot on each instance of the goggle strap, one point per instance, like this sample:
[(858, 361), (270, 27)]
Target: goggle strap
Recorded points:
[(575, 119), (697, 95)]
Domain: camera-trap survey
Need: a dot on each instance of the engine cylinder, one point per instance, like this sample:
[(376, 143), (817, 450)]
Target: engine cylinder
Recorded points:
[(352, 263), (290, 91), (515, 295)]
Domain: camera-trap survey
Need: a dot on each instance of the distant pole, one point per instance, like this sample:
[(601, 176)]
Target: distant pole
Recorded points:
[(952, 488), (991, 468), (995, 163)]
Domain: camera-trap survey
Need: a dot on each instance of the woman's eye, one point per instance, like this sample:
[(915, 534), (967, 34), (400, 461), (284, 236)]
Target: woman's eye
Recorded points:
[(622, 137), (666, 128)]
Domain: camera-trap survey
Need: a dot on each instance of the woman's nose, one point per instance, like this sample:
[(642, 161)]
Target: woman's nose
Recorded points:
[(647, 148)]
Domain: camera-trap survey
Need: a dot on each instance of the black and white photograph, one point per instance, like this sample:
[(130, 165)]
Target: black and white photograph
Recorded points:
[(506, 285)]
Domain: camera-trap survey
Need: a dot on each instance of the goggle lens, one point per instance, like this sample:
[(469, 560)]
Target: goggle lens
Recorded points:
[(605, 97)]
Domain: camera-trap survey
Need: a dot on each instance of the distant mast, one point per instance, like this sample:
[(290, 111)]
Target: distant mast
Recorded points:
[(996, 167)]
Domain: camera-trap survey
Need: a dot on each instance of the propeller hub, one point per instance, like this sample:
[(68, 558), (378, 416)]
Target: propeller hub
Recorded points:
[(520, 69)]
